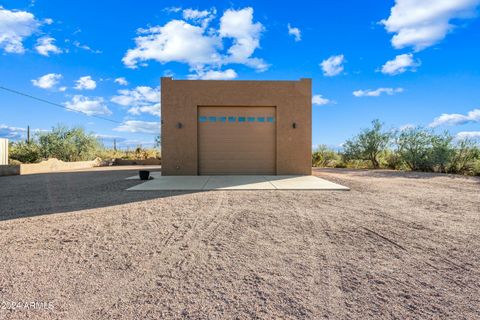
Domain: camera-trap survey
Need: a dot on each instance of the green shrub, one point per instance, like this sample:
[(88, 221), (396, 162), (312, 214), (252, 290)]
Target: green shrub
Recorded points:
[(25, 152), (360, 164), (137, 154), (368, 145), (324, 157), (475, 171), (391, 160), (14, 162), (441, 153), (466, 158), (68, 144), (414, 147)]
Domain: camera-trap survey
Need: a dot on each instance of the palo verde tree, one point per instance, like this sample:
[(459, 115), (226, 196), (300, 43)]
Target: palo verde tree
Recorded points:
[(368, 145)]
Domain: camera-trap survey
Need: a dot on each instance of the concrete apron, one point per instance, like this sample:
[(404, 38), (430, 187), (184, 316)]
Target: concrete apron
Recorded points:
[(235, 183)]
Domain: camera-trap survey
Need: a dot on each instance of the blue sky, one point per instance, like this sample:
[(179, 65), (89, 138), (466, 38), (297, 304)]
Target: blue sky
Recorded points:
[(405, 62)]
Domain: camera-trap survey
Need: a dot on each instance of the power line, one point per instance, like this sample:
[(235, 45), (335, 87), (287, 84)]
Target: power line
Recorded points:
[(57, 104)]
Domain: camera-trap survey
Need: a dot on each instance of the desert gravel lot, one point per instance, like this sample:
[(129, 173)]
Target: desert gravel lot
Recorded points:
[(398, 245)]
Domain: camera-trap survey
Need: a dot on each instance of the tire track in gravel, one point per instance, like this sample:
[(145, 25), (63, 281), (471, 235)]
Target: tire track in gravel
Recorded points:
[(179, 245), (336, 301), (174, 249), (323, 246)]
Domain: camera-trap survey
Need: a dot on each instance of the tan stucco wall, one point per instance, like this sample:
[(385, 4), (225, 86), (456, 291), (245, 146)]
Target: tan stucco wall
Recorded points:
[(180, 101), (50, 165)]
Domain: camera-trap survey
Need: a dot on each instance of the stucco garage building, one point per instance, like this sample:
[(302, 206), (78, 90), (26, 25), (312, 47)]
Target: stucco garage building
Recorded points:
[(236, 127)]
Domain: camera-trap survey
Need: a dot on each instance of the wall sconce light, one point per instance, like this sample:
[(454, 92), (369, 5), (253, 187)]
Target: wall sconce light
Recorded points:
[(294, 125), (179, 125)]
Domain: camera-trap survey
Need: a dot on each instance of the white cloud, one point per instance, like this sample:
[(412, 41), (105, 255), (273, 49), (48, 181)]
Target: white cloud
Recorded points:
[(121, 81), (378, 92), (400, 64), (176, 41), (85, 47), (421, 24), (295, 32), (85, 83), (214, 75), (202, 17), (452, 119), (238, 24), (173, 9), (142, 99), (135, 126), (13, 133), (16, 133), (319, 100), (45, 46), (333, 65), (15, 26), (192, 14), (88, 105), (47, 81), (197, 46), (468, 135), (153, 109)]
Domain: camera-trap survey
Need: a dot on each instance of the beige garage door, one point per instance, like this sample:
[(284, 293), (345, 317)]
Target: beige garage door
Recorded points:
[(236, 140)]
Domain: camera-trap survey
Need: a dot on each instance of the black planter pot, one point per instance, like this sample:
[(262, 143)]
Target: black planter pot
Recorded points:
[(144, 174)]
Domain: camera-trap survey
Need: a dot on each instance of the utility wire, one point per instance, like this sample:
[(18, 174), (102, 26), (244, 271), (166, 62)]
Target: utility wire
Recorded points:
[(56, 104)]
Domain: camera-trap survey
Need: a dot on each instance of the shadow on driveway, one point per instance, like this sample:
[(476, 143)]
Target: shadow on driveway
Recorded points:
[(40, 194)]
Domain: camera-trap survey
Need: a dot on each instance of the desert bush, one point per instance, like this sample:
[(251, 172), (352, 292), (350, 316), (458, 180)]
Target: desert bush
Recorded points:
[(24, 152), (414, 147), (341, 163), (368, 144), (136, 154), (68, 144), (417, 149), (441, 152), (13, 162), (475, 171), (324, 157), (390, 159), (142, 154), (359, 164), (466, 158), (108, 154)]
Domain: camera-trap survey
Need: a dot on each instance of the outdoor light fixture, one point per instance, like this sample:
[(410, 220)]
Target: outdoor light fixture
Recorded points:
[(294, 125), (179, 125)]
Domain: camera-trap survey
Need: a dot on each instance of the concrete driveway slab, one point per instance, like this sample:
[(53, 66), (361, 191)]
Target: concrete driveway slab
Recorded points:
[(303, 183), (236, 183)]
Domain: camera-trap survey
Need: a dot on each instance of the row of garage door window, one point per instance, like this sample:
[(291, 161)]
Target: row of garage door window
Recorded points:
[(234, 119)]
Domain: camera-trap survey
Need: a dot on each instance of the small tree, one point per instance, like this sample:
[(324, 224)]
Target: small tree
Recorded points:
[(68, 144), (466, 154), (442, 152), (368, 144), (414, 146)]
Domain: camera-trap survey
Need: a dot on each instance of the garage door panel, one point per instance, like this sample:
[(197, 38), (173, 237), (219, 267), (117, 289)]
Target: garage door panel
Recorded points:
[(236, 157), (236, 147), (254, 146)]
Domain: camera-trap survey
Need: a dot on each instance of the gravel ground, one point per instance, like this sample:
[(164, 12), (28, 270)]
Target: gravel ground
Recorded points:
[(398, 245)]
